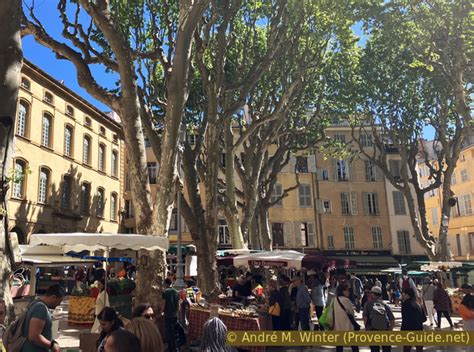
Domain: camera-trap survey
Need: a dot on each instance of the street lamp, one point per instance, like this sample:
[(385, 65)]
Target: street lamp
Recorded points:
[(179, 282)]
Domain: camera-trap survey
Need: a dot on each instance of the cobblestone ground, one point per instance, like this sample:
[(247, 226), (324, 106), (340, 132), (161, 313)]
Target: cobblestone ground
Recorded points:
[(69, 337)]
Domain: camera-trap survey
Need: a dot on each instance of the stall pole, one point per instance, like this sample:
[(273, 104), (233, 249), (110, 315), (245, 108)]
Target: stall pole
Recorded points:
[(179, 282)]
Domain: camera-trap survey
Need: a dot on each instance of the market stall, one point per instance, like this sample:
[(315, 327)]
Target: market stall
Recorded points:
[(243, 320), (78, 242)]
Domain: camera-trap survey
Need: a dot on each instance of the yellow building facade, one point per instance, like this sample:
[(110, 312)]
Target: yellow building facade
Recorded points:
[(461, 224), (68, 161)]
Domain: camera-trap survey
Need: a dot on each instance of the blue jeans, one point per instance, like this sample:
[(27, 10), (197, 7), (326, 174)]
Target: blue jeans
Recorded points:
[(304, 318)]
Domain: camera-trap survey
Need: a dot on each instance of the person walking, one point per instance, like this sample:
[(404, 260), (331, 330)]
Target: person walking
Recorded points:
[(122, 341), (303, 303), (101, 302), (331, 289), (377, 282), (356, 290), (214, 336), (406, 281), (442, 304), (317, 297), (428, 295), (275, 304), (285, 317), (38, 324), (343, 309), (170, 312), (378, 316), (413, 316)]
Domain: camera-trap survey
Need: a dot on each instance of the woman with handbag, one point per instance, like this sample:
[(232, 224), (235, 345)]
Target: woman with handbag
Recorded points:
[(276, 304), (344, 318)]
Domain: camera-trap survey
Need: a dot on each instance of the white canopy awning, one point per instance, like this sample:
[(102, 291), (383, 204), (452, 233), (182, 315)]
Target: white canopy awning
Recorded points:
[(289, 259), (49, 256), (78, 242)]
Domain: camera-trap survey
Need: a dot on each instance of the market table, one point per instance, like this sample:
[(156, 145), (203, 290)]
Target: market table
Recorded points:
[(197, 318)]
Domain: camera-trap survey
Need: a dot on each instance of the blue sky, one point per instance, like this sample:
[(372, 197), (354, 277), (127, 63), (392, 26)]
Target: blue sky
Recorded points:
[(63, 70)]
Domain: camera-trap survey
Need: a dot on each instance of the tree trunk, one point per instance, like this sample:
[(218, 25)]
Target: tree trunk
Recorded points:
[(206, 261), (232, 213), (442, 243), (264, 229), (11, 57)]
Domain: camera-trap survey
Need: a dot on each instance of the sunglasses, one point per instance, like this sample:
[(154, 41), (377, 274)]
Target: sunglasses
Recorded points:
[(149, 316)]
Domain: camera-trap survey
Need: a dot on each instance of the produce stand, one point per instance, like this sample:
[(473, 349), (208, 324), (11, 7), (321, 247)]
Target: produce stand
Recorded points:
[(198, 316), (81, 310)]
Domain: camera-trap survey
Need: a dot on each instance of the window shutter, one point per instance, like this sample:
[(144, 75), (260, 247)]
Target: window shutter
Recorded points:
[(320, 206), (292, 164), (287, 234), (334, 169), (312, 163), (462, 209), (365, 198), (297, 234), (351, 171), (310, 234), (353, 203), (378, 173), (319, 174), (376, 203)]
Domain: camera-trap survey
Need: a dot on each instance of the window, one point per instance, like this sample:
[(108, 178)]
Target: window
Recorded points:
[(349, 203), (23, 117), (114, 166), (372, 172), (48, 98), (43, 185), (174, 220), (68, 141), (46, 131), (466, 199), (69, 110), (464, 175), (277, 234), (113, 207), (86, 150), (324, 206), (223, 230), (371, 204), (276, 194), (128, 208), (307, 234), (19, 184), (102, 157), (151, 167), (341, 170), (115, 138), (366, 140), (330, 241), (322, 174), (100, 202), (87, 122), (395, 168), (399, 203), (434, 216), (340, 137), (377, 237), (25, 83), (102, 130), (403, 242), (85, 197), (66, 192), (302, 164), (349, 237), (304, 193), (147, 143)]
